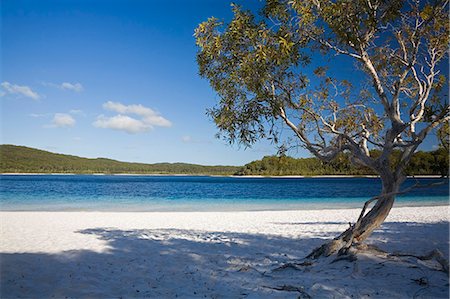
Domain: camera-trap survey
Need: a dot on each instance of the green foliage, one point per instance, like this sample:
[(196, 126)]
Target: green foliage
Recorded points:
[(239, 62), (422, 163), (261, 68), (435, 162), (443, 134), (256, 66), (20, 159)]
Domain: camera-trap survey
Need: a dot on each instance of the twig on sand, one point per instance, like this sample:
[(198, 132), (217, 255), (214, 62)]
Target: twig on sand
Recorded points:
[(423, 281), (295, 266), (247, 268), (289, 288)]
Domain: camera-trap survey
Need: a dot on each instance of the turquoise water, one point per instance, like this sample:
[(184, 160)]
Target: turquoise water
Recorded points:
[(199, 193)]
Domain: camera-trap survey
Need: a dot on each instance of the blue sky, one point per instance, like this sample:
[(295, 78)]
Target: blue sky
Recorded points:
[(115, 79)]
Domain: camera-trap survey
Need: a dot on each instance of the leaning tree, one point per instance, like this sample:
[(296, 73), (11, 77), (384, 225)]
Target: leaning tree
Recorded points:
[(271, 71)]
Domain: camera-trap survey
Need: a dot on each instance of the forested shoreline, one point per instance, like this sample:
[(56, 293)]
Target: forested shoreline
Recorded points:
[(20, 159), (423, 163)]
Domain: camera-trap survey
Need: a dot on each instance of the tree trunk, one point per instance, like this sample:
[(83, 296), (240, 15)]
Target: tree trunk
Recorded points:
[(364, 227)]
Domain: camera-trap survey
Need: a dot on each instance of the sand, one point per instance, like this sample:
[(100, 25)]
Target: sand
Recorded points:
[(215, 255)]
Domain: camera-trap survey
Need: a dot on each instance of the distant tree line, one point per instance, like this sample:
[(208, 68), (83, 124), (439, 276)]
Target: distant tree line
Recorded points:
[(422, 163), (20, 159)]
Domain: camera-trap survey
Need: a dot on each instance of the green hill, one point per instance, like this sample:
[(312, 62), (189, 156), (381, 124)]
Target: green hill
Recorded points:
[(21, 159)]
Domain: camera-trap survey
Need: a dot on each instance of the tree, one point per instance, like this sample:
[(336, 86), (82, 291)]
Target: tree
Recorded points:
[(443, 135), (260, 67)]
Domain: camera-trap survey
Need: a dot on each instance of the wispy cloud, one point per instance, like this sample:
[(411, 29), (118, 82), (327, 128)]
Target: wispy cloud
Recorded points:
[(77, 87), (20, 90), (147, 118), (48, 115), (77, 112), (62, 120), (39, 115)]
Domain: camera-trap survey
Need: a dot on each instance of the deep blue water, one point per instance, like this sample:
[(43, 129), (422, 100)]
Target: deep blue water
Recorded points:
[(191, 193)]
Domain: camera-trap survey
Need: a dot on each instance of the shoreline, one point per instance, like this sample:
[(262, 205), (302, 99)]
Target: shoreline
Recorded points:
[(223, 209), (432, 176)]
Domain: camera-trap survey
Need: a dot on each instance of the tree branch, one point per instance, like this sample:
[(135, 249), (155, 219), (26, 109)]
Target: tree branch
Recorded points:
[(327, 44)]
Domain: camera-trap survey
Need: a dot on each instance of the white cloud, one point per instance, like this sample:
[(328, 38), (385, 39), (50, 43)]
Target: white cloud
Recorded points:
[(61, 120), (148, 118), (77, 87), (77, 112), (19, 90), (130, 109), (38, 115), (122, 123)]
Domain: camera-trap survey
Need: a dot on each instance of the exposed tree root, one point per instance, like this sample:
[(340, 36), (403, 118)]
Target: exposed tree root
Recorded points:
[(350, 254), (289, 288), (326, 249), (247, 268), (368, 248), (434, 254), (350, 241), (295, 266)]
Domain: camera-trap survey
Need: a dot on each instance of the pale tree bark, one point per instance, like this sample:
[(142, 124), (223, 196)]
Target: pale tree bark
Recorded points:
[(365, 224), (401, 134), (420, 59)]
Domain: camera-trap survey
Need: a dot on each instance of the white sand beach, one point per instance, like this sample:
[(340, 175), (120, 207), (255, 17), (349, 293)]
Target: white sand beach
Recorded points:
[(215, 255)]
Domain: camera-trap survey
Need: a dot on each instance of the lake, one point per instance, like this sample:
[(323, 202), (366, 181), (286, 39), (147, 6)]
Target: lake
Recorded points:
[(199, 193)]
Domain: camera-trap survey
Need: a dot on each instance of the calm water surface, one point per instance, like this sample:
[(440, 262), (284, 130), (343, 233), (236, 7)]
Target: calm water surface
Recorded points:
[(197, 193)]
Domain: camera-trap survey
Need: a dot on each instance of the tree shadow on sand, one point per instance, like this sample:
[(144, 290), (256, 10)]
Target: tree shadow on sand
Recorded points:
[(169, 263)]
